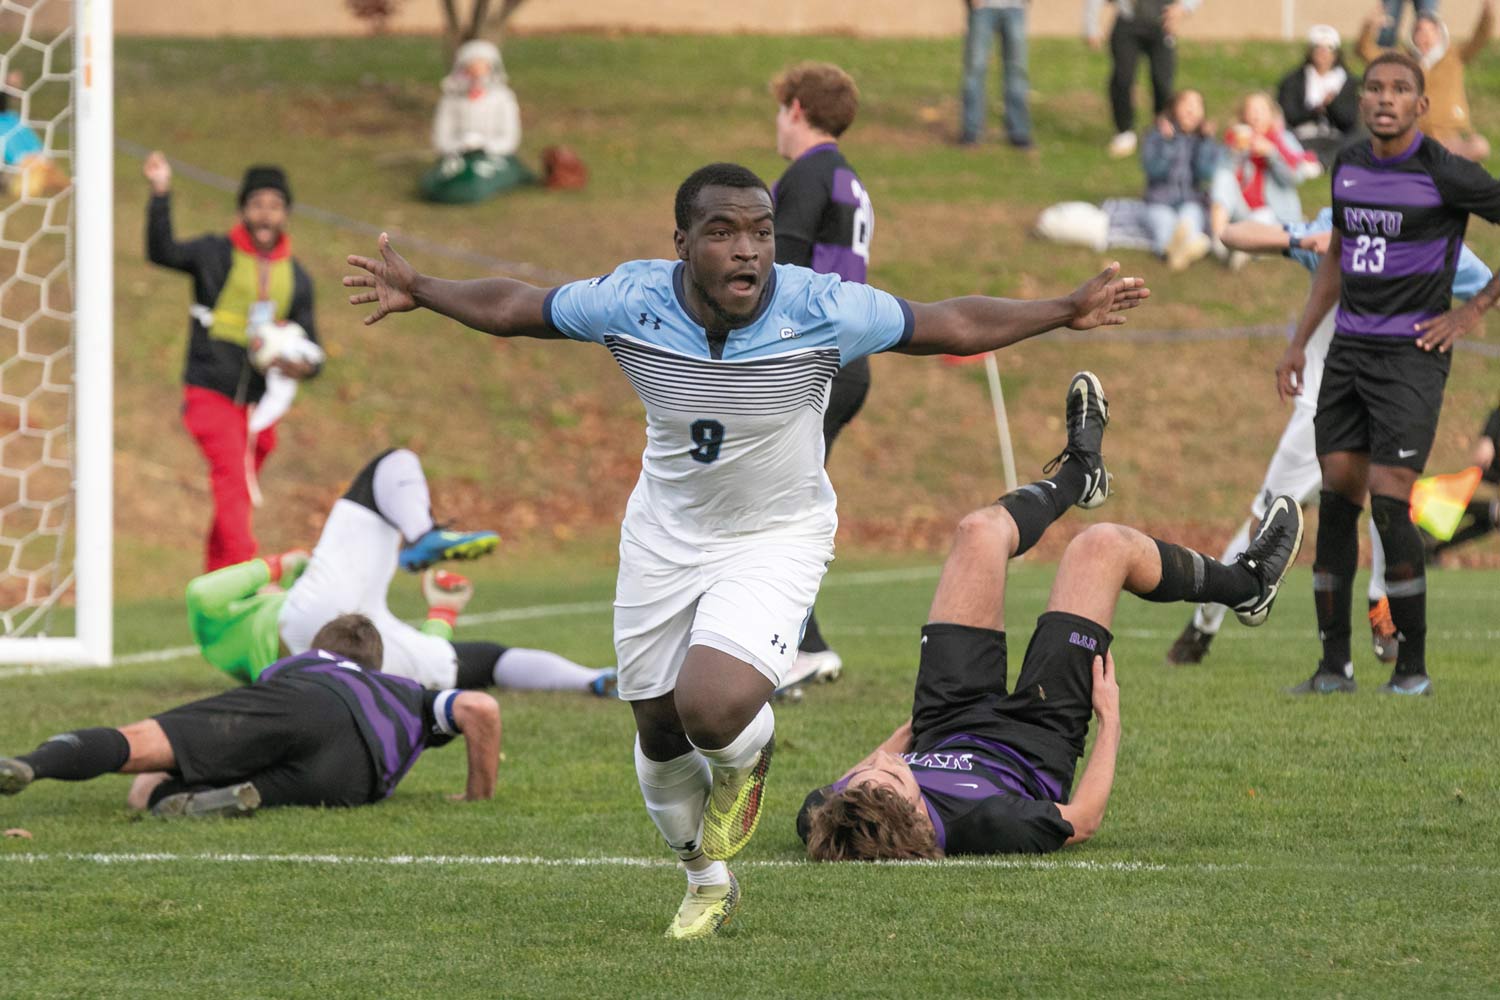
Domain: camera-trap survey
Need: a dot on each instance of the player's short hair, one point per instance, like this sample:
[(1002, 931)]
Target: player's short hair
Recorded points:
[(869, 823), (1394, 58), (714, 175), (827, 95), (354, 637)]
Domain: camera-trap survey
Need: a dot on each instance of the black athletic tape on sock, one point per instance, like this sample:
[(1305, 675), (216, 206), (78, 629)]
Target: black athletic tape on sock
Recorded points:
[(1191, 576), (80, 755), (1036, 505), (1405, 580)]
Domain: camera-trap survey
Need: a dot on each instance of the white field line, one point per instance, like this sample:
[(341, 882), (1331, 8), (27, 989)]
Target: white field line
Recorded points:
[(860, 579), (531, 861)]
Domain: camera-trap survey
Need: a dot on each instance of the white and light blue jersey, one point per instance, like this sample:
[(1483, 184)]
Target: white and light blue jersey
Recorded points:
[(734, 430)]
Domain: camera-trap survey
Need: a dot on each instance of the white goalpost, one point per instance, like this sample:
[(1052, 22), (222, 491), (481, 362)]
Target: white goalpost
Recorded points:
[(56, 332)]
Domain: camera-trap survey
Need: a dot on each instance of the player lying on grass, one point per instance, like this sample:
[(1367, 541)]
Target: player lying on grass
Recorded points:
[(730, 527), (979, 770), (384, 519), (1294, 467), (325, 727)]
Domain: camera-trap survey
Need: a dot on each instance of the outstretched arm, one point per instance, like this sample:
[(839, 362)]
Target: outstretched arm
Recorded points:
[(1086, 810), (975, 324), (500, 307), (1323, 297), (898, 742), (1266, 237), (478, 718)]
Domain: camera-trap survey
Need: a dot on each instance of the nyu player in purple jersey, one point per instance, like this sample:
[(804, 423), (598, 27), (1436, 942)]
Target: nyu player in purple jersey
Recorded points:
[(978, 769), (1401, 204), (823, 221), (324, 727), (730, 527)]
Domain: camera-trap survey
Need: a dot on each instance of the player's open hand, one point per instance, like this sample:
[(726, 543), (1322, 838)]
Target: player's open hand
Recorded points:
[(1289, 370), (158, 172), (391, 277), (1440, 333), (1100, 300), (1106, 691)]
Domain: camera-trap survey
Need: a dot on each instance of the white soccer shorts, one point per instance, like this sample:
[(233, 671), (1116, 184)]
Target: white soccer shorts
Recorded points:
[(749, 597), (350, 571)]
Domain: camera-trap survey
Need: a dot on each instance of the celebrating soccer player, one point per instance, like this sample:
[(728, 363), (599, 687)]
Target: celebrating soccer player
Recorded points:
[(1400, 207), (978, 769), (730, 528)]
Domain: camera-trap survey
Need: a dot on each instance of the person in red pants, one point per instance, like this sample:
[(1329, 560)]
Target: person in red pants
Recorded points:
[(241, 280)]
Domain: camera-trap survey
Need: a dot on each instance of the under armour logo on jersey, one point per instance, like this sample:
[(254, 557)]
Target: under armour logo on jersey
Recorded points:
[(654, 321), (787, 333), (777, 644)]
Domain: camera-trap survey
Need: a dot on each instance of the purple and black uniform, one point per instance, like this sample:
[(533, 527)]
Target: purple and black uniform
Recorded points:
[(314, 729), (1401, 221), (993, 766)]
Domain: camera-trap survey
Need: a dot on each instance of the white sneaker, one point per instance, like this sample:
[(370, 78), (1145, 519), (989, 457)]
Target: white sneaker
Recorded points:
[(813, 668), (1122, 145)]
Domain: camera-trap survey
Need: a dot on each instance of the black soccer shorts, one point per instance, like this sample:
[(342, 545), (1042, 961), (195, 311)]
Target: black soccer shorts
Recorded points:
[(1381, 399)]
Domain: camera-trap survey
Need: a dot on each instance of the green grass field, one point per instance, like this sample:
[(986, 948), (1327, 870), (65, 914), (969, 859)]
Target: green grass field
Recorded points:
[(1256, 844)]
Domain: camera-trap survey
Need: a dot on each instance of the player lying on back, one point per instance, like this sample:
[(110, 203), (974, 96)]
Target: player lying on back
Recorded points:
[(730, 527), (321, 728), (384, 519), (1294, 466), (979, 769)]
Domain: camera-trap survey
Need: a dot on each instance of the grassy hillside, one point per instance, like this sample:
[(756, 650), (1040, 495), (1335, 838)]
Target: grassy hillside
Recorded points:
[(543, 439)]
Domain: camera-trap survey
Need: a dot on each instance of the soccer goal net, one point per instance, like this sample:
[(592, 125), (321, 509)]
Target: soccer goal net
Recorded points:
[(56, 306)]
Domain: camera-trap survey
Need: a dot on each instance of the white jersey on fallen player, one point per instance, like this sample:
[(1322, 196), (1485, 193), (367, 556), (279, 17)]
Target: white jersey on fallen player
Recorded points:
[(734, 431)]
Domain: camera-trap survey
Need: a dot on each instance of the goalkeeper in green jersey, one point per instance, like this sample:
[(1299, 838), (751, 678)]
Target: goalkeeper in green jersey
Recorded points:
[(382, 521)]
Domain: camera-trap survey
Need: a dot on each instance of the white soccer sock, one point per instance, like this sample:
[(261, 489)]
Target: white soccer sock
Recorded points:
[(742, 749), (1209, 617), (401, 495), (1377, 564), (539, 670), (676, 792)]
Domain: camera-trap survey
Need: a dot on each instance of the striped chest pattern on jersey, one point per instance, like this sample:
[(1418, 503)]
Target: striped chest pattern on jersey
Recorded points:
[(762, 386)]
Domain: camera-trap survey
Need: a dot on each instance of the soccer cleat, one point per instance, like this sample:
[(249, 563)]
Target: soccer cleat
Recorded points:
[(1271, 553), (607, 684), (704, 910), (1383, 632), (734, 802), (15, 775), (236, 800), (440, 544), (1087, 414), (1325, 682), (1191, 646), (1407, 684), (813, 668)]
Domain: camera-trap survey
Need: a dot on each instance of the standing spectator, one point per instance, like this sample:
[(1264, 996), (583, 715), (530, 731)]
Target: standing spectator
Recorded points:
[(1320, 99), (987, 18), (823, 221), (1179, 158), (1390, 12), (242, 279), (1447, 118), (1258, 177), (1148, 26)]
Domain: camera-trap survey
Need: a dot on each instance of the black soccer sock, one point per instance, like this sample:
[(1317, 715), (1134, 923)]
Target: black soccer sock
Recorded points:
[(812, 636), (80, 755), (1333, 576), (1036, 505), (1194, 577), (1405, 580)]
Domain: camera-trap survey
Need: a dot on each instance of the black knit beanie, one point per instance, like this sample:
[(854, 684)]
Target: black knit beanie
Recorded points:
[(258, 178)]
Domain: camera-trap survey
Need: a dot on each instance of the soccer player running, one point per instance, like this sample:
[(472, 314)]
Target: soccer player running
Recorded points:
[(730, 527), (383, 520), (321, 728), (1401, 204), (978, 769), (1294, 466), (823, 221)]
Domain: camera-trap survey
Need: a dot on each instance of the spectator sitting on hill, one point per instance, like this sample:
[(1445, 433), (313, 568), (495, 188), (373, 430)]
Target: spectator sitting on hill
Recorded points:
[(1447, 119), (476, 131), (1258, 177), (1179, 157), (1320, 99), (28, 172)]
